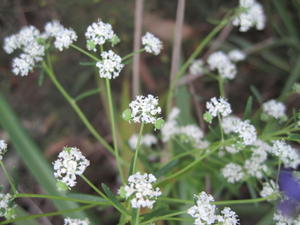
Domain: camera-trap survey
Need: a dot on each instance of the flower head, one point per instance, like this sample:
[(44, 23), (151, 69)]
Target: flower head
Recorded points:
[(196, 67), (145, 109), (203, 211), (64, 38), (170, 128), (110, 66), (220, 61), (69, 164), (151, 43), (233, 172), (71, 221), (98, 33), (22, 65), (236, 55), (147, 140), (218, 106), (269, 189), (11, 43), (252, 16), (228, 217), (3, 148), (141, 191), (7, 206), (274, 109)]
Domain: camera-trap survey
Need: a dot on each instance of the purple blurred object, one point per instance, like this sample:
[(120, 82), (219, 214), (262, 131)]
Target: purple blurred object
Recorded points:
[(289, 184)]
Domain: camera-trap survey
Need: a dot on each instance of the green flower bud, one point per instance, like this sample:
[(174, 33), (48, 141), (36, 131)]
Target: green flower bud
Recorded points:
[(115, 40), (159, 124), (207, 117), (126, 115), (61, 186)]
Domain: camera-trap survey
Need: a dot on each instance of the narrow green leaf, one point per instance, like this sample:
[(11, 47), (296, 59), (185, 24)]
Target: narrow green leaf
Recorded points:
[(113, 199), (248, 108), (86, 197), (31, 155), (87, 93), (256, 94)]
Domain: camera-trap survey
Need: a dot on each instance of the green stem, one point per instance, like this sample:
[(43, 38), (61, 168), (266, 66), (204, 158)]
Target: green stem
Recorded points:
[(76, 108), (137, 217), (13, 187), (137, 149), (85, 52), (221, 86), (22, 218), (132, 54), (185, 66), (164, 217), (62, 198), (113, 128), (221, 128), (195, 162), (97, 190)]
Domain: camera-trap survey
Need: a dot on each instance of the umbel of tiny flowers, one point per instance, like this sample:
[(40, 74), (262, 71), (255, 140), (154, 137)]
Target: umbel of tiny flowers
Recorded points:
[(98, 33), (270, 189), (32, 44), (72, 221), (152, 44), (140, 190), (146, 140), (251, 15), (7, 207), (274, 109), (144, 109), (70, 163), (3, 148), (217, 107), (110, 66)]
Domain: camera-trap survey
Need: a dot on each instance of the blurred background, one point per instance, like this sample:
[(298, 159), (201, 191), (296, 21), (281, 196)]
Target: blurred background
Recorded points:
[(272, 67)]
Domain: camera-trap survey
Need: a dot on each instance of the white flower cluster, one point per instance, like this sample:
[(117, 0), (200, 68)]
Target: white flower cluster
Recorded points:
[(69, 164), (218, 107), (221, 62), (286, 153), (110, 66), (98, 33), (6, 206), (140, 189), (151, 44), (146, 140), (236, 55), (244, 129), (252, 15), (204, 212), (190, 132), (281, 219), (197, 67), (269, 189), (145, 109), (30, 41), (274, 109), (3, 148), (71, 221), (233, 172)]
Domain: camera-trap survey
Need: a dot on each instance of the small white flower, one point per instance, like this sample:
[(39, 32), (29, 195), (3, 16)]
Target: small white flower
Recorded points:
[(27, 35), (218, 106), (35, 50), (98, 33), (220, 61), (247, 132), (145, 109), (70, 163), (204, 211), (22, 65), (110, 66), (196, 67), (151, 44), (53, 28), (269, 189), (71, 221), (233, 172), (281, 219), (228, 217), (141, 191), (3, 148), (6, 206), (253, 15), (236, 55), (11, 43), (288, 155), (274, 109), (65, 38), (255, 168), (192, 132), (230, 123), (147, 140)]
